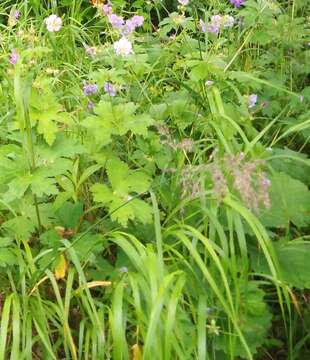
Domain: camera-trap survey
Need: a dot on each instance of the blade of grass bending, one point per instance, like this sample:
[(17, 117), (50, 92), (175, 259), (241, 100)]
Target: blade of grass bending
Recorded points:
[(16, 316), (5, 317), (201, 328), (171, 314), (117, 324), (158, 235), (150, 340), (221, 297)]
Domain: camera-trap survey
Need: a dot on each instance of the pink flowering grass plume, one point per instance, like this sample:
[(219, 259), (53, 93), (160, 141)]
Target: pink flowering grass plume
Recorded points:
[(89, 88), (110, 89), (14, 57), (53, 23), (123, 47), (237, 3)]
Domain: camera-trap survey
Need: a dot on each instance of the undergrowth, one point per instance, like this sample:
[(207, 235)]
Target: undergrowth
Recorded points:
[(154, 177)]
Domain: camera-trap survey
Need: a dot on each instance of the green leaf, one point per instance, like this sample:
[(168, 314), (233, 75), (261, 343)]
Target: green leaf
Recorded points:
[(69, 214), (101, 193), (293, 257), (19, 227), (290, 202), (7, 257)]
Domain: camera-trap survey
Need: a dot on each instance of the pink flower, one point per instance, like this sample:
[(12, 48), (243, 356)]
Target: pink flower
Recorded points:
[(14, 57)]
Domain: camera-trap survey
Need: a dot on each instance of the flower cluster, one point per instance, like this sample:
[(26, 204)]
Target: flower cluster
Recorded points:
[(217, 23), (89, 88), (123, 46)]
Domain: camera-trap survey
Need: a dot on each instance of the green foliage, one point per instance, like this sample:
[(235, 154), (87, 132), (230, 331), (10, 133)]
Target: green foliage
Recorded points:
[(155, 205)]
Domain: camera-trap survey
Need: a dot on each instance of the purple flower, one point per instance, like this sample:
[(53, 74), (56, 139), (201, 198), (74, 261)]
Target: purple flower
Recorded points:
[(215, 24), (202, 26), (132, 24), (237, 3), (117, 22), (110, 89), (90, 105), (107, 9), (89, 88), (13, 57), (252, 100), (137, 20)]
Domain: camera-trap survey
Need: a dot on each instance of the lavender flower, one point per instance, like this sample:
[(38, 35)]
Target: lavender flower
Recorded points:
[(202, 26), (14, 57), (123, 47), (237, 3), (116, 21), (110, 89), (137, 20), (107, 9), (89, 89), (252, 100), (90, 105), (215, 24)]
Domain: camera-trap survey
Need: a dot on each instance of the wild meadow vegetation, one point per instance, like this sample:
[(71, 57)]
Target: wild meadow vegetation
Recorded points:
[(154, 177)]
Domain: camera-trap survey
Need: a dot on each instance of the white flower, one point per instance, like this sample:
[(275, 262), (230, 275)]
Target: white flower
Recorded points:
[(183, 2), (123, 47), (53, 23)]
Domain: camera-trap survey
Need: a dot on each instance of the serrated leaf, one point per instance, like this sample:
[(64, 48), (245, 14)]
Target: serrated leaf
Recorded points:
[(138, 182), (117, 172), (101, 193), (121, 211), (69, 214), (143, 211), (19, 227)]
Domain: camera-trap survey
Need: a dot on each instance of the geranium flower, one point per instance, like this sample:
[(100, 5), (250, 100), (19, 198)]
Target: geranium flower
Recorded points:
[(53, 23)]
